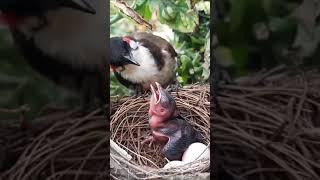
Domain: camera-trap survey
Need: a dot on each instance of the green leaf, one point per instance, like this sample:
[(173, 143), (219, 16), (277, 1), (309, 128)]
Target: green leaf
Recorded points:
[(237, 13), (191, 71), (203, 6), (143, 8), (279, 25), (240, 55), (224, 56), (178, 16), (180, 79), (197, 40), (275, 7)]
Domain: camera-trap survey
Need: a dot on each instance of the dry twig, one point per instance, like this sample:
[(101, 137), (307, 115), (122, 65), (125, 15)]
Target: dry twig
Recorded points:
[(128, 11)]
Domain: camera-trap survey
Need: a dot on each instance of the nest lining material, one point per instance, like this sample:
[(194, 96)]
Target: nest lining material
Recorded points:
[(129, 125)]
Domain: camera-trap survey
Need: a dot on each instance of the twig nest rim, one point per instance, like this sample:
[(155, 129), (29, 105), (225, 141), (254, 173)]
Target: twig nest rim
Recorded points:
[(129, 125)]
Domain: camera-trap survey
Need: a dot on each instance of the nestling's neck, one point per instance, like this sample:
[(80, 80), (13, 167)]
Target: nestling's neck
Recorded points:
[(156, 121)]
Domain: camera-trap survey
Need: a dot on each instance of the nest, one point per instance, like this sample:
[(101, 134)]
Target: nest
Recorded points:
[(268, 126), (129, 127), (58, 145)]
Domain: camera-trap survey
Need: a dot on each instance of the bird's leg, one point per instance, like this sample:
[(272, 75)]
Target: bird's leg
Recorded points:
[(145, 94), (85, 96), (90, 99), (175, 87), (138, 90)]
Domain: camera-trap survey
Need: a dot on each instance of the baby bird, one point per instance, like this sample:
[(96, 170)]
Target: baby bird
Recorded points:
[(167, 126)]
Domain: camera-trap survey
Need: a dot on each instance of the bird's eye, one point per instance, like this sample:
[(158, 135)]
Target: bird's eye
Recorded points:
[(162, 110)]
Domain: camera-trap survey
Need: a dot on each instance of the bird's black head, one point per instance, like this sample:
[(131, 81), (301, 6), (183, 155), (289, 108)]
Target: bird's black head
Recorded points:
[(121, 48), (19, 9)]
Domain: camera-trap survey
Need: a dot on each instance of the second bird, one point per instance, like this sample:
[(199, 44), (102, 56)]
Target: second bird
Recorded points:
[(143, 59)]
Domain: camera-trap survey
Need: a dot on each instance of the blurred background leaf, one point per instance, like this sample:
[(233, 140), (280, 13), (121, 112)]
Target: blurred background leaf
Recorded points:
[(256, 34), (20, 85)]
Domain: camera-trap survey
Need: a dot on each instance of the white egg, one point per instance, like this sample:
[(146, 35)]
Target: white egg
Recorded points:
[(196, 151), (172, 164)]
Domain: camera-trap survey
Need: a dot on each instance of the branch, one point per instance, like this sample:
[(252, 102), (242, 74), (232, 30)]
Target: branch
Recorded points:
[(21, 109), (124, 8)]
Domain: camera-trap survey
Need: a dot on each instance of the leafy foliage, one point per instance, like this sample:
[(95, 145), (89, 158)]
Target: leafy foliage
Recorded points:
[(264, 33), (21, 86), (178, 15)]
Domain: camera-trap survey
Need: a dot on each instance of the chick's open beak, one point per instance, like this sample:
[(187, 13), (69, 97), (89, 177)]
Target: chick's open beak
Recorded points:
[(156, 94)]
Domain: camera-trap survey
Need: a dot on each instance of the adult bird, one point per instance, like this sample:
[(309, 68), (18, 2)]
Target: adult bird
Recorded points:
[(142, 59), (64, 40)]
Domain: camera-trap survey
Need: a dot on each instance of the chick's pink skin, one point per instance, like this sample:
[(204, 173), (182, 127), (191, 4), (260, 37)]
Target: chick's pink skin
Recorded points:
[(159, 114)]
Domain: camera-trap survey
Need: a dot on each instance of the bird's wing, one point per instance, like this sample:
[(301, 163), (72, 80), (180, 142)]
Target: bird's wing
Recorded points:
[(175, 147)]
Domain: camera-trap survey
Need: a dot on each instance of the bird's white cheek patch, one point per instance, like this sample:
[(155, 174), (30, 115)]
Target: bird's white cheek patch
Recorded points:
[(147, 69), (133, 44)]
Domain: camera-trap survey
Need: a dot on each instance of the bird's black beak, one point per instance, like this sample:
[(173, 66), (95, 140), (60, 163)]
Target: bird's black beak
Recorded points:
[(131, 60), (81, 5)]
